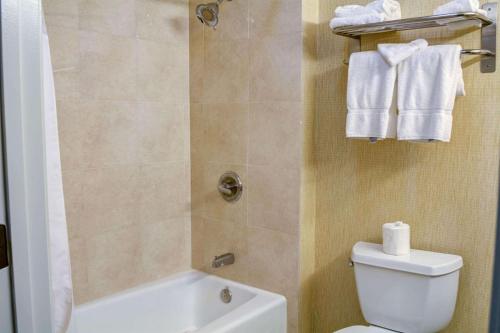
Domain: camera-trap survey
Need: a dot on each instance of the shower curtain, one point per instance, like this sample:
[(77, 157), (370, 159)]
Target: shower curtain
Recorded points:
[(62, 288)]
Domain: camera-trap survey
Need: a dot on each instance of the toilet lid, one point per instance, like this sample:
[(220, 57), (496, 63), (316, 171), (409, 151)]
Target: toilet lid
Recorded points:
[(364, 329)]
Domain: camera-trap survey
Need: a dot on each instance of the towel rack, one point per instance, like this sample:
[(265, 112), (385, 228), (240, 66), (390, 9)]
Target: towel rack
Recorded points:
[(477, 52), (486, 23)]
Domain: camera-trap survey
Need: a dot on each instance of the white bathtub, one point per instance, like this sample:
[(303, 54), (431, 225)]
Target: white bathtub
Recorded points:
[(187, 302)]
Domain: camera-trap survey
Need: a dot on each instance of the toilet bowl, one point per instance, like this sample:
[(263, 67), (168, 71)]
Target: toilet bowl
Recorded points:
[(414, 293)]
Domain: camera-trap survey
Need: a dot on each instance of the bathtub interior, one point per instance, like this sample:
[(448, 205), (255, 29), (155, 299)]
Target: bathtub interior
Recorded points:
[(183, 304), (206, 302)]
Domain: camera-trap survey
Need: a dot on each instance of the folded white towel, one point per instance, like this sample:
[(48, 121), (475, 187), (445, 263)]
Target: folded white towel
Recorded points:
[(427, 88), (356, 20), (375, 11), (390, 8), (396, 53), (370, 97), (459, 6)]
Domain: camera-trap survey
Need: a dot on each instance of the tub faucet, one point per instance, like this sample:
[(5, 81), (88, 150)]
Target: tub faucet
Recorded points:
[(223, 260)]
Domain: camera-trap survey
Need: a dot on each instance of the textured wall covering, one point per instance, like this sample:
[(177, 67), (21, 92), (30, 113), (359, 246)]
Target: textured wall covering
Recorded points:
[(122, 73), (308, 168), (446, 192), (246, 112)]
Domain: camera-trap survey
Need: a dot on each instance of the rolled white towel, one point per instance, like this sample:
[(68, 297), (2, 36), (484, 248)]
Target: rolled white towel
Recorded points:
[(390, 8), (393, 54), (352, 10), (459, 6), (356, 20), (375, 11)]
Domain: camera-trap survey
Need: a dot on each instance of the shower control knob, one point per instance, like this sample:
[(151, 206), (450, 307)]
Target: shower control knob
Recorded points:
[(230, 186)]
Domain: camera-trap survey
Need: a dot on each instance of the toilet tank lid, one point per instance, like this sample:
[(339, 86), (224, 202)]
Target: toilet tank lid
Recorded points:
[(418, 261)]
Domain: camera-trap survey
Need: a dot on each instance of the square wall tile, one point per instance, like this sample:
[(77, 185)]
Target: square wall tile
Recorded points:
[(97, 133), (161, 132), (108, 67), (60, 7), (274, 259), (274, 134), (114, 260), (163, 21), (274, 198), (61, 13), (161, 193), (64, 47), (219, 133), (114, 17), (66, 83), (275, 68), (162, 72), (270, 17), (226, 71), (164, 250), (100, 200)]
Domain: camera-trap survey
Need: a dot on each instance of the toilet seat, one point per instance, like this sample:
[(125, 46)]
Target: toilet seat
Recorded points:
[(364, 329)]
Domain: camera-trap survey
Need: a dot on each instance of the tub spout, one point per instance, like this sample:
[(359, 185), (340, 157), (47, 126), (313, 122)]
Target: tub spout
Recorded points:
[(223, 260)]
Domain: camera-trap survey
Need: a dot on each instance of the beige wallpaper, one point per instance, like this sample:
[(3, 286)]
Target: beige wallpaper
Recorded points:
[(246, 112), (122, 73), (446, 192)]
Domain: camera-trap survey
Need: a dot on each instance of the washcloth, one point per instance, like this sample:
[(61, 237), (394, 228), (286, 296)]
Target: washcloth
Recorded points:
[(356, 20), (375, 11), (459, 6), (370, 97), (396, 53), (427, 88)]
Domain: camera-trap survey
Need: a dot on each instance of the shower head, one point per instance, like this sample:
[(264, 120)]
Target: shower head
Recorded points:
[(208, 13)]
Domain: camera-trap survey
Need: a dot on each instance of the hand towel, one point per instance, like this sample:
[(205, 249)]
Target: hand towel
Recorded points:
[(396, 53), (370, 97), (427, 87), (356, 20), (459, 6)]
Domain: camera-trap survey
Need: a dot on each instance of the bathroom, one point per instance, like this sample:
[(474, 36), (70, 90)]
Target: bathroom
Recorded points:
[(176, 166)]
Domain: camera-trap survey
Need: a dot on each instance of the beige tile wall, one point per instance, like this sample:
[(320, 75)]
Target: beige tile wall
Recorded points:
[(122, 73), (446, 192), (246, 116), (308, 168)]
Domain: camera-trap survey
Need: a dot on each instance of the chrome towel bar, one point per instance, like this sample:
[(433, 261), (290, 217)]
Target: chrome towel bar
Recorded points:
[(476, 52), (481, 52)]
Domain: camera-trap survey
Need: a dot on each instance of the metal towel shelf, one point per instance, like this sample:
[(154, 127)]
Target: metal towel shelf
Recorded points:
[(486, 23)]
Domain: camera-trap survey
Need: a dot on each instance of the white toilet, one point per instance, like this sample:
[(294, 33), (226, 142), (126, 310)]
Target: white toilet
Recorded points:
[(415, 293)]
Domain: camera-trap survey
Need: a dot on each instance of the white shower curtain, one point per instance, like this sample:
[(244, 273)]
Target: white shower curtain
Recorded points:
[(62, 288)]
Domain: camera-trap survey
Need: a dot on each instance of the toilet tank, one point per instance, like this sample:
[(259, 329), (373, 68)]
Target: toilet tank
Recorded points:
[(415, 293)]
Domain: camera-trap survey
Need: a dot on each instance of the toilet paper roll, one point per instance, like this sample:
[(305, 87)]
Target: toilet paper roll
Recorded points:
[(396, 238)]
